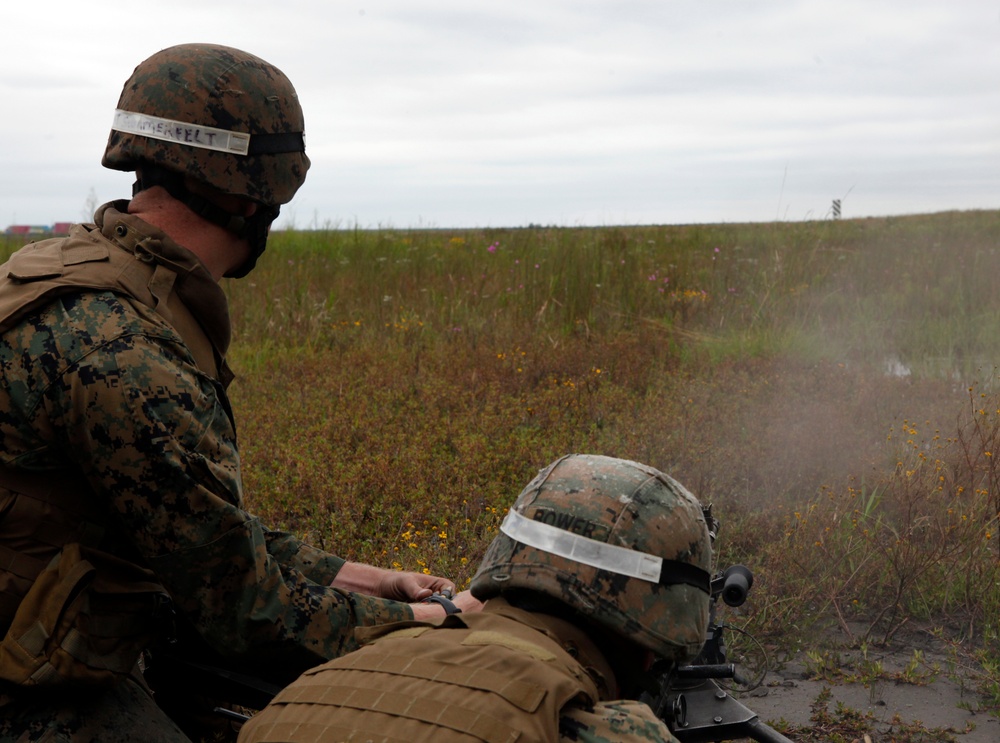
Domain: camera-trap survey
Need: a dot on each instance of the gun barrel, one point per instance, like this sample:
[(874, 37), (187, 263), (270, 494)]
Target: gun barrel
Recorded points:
[(708, 671), (737, 582)]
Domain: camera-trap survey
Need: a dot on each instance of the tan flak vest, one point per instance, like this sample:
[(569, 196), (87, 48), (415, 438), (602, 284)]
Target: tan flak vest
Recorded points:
[(498, 676), (70, 613)]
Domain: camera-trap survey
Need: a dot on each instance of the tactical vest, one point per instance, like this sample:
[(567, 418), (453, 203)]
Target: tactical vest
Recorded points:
[(499, 676), (72, 613)]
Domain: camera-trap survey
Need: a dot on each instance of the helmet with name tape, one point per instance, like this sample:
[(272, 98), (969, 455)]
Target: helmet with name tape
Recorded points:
[(218, 115), (617, 542)]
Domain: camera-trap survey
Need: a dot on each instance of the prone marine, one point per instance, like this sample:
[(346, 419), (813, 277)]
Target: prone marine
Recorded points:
[(601, 568)]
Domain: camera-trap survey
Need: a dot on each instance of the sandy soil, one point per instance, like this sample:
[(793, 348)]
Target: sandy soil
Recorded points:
[(939, 702)]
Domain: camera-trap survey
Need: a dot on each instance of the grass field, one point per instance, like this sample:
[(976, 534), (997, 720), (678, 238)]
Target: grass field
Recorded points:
[(831, 387)]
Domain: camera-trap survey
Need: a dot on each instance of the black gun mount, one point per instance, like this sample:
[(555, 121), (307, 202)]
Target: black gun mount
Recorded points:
[(692, 702)]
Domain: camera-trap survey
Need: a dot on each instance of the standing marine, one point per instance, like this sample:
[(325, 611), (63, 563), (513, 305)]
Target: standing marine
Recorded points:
[(121, 500)]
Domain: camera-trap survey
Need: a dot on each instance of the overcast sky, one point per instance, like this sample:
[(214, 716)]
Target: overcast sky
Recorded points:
[(458, 113)]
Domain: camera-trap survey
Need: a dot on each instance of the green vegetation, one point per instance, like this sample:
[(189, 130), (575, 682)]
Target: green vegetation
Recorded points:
[(829, 386), (846, 725)]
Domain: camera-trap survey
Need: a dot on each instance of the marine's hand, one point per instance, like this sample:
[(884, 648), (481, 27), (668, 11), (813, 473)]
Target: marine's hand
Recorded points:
[(413, 586), (409, 587), (390, 584)]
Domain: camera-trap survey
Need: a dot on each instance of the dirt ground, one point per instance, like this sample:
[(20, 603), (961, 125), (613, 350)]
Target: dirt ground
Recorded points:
[(937, 702)]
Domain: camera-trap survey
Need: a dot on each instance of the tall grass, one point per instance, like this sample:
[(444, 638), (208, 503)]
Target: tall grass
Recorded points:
[(916, 289), (829, 386), (812, 380)]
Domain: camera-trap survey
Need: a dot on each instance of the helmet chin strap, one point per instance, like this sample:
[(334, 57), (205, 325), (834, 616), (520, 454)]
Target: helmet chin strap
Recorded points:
[(254, 229)]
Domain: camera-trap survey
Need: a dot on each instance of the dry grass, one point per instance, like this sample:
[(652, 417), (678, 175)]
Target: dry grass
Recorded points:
[(828, 385)]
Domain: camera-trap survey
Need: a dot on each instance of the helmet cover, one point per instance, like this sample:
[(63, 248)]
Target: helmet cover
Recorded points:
[(619, 542), (216, 114)]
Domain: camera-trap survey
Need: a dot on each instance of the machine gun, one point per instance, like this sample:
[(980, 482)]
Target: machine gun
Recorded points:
[(694, 700)]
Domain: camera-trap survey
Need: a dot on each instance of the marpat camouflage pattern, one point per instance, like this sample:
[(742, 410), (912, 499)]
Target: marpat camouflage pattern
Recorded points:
[(99, 391)]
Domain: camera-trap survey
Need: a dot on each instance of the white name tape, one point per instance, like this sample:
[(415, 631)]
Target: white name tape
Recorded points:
[(191, 135), (581, 549)]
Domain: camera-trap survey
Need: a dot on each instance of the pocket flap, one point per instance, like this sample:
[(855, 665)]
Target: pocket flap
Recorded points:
[(47, 261)]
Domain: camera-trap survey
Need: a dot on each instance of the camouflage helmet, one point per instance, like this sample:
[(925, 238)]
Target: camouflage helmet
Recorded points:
[(617, 541), (219, 115)]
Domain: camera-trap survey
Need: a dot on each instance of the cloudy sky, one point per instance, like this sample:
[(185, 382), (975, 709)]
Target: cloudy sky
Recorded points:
[(458, 113)]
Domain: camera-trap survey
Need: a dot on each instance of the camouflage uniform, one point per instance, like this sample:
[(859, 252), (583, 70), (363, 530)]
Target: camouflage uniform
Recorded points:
[(101, 393), (495, 676)]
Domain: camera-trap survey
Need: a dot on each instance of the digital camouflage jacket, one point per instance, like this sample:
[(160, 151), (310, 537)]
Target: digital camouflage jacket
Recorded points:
[(116, 403)]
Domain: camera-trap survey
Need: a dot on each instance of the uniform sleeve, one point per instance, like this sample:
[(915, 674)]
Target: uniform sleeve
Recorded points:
[(622, 721), (318, 566), (152, 435)]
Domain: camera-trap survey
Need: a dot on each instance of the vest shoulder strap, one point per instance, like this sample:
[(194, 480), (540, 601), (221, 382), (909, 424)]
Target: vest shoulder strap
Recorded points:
[(40, 272)]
